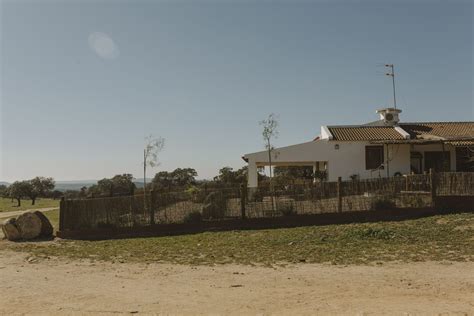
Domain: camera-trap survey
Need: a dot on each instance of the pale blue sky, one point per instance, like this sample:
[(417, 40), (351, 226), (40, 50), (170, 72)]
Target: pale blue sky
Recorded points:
[(203, 73)]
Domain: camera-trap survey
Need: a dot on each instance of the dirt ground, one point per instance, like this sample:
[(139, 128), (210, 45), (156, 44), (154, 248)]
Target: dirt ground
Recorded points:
[(52, 286), (5, 215)]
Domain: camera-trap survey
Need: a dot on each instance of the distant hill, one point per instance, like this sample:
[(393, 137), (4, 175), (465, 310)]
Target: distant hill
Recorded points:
[(74, 184), (139, 182), (78, 184)]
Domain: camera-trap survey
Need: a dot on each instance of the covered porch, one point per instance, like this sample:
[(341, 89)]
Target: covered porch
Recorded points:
[(440, 155), (313, 154)]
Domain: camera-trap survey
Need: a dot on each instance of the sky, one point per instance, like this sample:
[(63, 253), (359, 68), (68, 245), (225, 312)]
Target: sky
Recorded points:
[(84, 82)]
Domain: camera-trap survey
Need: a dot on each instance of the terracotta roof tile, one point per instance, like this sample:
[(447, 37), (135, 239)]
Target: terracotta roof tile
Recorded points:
[(361, 133), (462, 143), (445, 130)]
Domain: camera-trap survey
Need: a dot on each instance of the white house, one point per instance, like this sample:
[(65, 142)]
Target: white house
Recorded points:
[(383, 148)]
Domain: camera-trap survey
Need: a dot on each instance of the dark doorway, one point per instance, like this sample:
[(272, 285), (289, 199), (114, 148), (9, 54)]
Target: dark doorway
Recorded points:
[(465, 159), (415, 162), (437, 160)]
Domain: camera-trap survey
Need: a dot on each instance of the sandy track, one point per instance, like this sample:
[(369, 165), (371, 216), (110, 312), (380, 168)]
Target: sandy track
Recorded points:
[(52, 286), (4, 215)]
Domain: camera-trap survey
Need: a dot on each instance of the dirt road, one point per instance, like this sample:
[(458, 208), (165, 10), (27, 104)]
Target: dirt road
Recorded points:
[(52, 286), (4, 215)]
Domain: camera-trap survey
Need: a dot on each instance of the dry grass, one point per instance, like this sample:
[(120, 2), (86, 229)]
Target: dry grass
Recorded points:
[(53, 217), (428, 239)]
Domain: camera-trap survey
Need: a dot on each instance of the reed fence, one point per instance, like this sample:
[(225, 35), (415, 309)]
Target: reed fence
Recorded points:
[(220, 203)]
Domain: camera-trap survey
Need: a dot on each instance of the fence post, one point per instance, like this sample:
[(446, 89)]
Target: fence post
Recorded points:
[(243, 199), (152, 207), (407, 182), (433, 187), (339, 194), (62, 211)]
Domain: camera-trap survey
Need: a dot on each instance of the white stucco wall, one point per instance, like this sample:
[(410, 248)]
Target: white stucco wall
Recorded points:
[(349, 159)]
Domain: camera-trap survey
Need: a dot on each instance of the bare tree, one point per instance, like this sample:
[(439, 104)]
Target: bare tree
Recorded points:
[(150, 156), (270, 132)]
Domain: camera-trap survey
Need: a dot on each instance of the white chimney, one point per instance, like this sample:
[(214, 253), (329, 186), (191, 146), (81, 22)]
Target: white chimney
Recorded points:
[(389, 115)]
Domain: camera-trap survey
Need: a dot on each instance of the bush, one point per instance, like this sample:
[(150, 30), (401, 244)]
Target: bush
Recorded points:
[(383, 204), (193, 217), (198, 194), (414, 201), (321, 175), (288, 210), (257, 196)]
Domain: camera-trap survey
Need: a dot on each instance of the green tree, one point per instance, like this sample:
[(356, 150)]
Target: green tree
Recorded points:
[(180, 177), (40, 187), (184, 176), (56, 194), (294, 172), (105, 187), (19, 190), (3, 190), (227, 175), (70, 194), (94, 191), (153, 146), (162, 179), (123, 184), (270, 132), (83, 192)]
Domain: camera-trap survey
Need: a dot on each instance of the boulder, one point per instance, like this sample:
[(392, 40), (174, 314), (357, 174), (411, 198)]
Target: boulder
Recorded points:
[(46, 227), (29, 225), (10, 230)]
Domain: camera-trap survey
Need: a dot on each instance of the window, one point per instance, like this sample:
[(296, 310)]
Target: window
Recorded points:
[(373, 157)]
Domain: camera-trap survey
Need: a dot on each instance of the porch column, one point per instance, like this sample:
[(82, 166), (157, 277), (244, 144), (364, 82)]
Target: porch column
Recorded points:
[(252, 175), (314, 171), (316, 167), (452, 158)]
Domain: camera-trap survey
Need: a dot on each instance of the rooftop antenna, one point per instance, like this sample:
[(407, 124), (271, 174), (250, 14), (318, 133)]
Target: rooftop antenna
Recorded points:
[(392, 74)]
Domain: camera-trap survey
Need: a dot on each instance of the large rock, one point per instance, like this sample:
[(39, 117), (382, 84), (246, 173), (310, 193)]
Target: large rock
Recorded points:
[(29, 225), (46, 227), (10, 230)]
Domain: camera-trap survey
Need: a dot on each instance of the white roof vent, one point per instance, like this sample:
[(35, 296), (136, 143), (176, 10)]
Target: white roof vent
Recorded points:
[(389, 115)]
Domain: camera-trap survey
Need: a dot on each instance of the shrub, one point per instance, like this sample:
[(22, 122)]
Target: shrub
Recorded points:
[(414, 201), (383, 204), (288, 210), (257, 196), (198, 194), (193, 217), (354, 177), (321, 175)]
